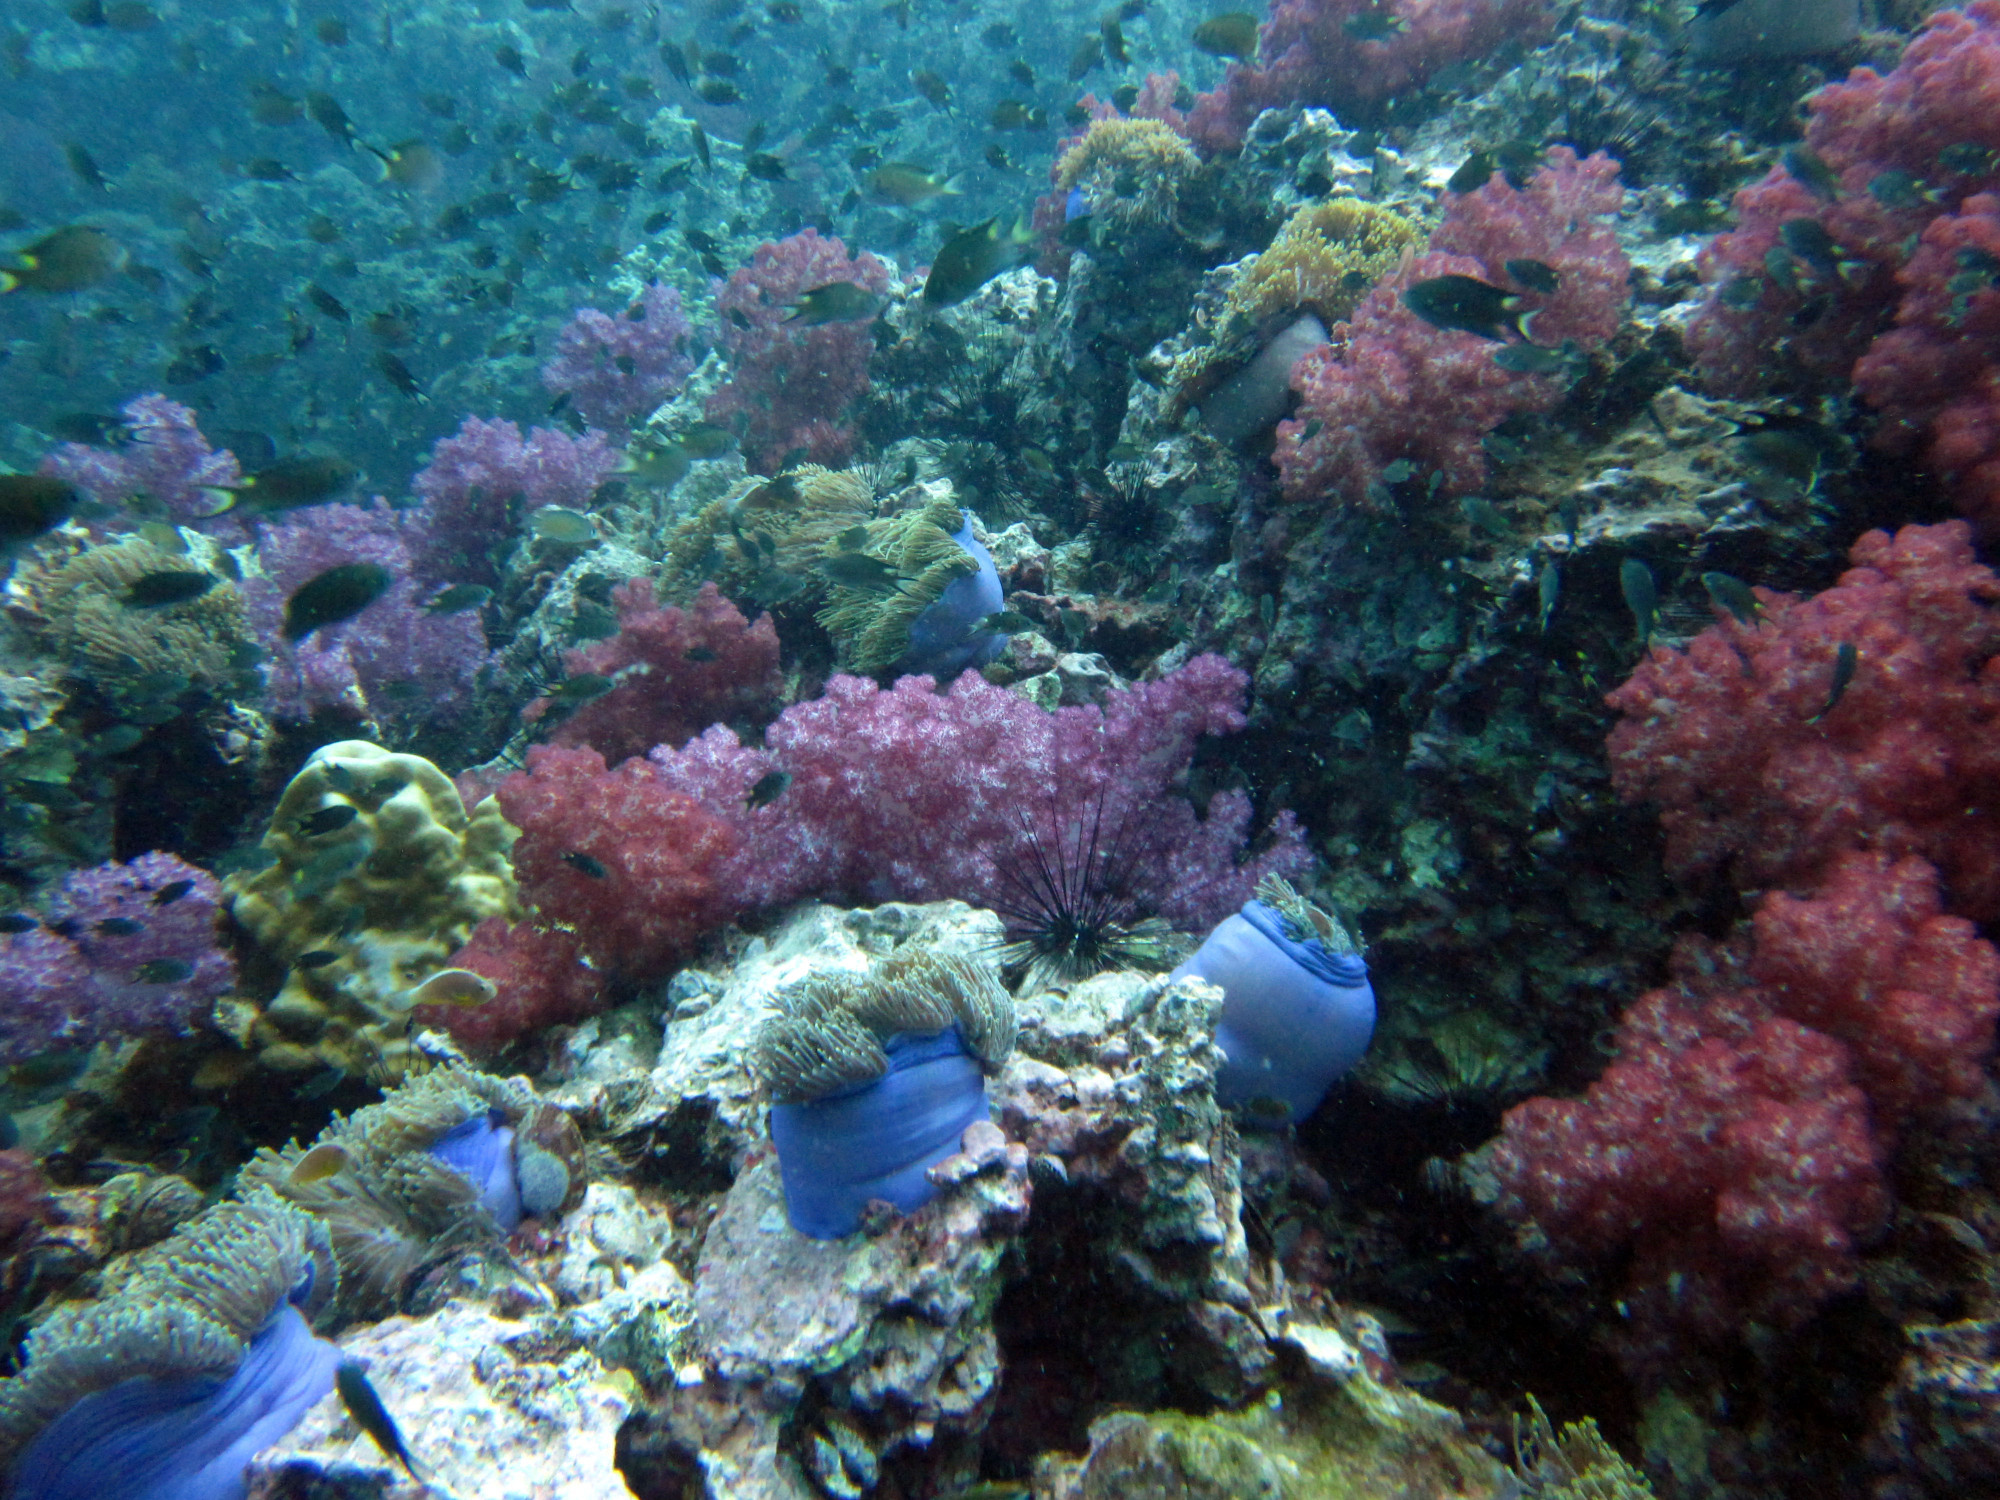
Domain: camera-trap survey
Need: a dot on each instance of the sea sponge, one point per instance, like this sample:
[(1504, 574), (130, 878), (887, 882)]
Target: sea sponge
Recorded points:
[(1131, 172), (77, 607), (875, 1079), (448, 1160), (201, 1357), (391, 889)]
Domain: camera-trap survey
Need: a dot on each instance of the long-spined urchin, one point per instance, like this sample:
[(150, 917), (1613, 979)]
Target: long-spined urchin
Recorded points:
[(1067, 900)]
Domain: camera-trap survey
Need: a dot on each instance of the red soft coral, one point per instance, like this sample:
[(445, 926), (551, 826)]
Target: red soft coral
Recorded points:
[(1871, 959), (540, 978), (1943, 97), (1729, 737), (616, 857), (1309, 55), (694, 667), (1727, 1152), (1391, 386)]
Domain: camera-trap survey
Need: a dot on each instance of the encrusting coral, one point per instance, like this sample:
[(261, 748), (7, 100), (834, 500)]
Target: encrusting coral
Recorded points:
[(449, 1160), (378, 864)]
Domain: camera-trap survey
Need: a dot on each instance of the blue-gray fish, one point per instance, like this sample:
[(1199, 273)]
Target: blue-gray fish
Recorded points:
[(1642, 595)]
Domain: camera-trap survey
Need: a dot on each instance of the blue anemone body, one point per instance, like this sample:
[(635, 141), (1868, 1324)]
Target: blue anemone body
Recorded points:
[(879, 1139), (481, 1150), (188, 1438), (1297, 1015), (943, 642)]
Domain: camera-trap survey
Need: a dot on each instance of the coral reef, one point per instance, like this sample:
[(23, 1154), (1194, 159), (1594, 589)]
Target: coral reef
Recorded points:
[(633, 867), (391, 665), (446, 1163), (922, 795), (125, 950), (678, 671), (875, 1079), (790, 386), (1393, 388), (476, 1396), (540, 978), (77, 606), (375, 861), (1131, 173), (616, 370), (1738, 740), (1770, 314), (1309, 53), (1298, 1010), (1736, 1148)]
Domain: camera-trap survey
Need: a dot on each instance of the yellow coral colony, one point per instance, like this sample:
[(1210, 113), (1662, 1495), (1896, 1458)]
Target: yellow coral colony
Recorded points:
[(377, 863)]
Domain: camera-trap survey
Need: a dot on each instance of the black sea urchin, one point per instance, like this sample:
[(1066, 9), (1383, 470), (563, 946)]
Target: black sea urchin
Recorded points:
[(1067, 899)]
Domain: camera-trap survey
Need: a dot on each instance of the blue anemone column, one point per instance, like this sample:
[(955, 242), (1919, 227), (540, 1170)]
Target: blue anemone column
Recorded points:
[(1296, 1017), (878, 1139)]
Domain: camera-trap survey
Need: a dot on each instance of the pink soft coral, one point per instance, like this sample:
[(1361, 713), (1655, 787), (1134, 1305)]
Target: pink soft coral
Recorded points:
[(909, 794), (1308, 55)]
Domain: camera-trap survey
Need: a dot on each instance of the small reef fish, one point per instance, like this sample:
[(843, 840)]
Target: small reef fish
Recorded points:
[(163, 971), (1730, 593), (370, 1415), (167, 586), (1469, 305), (1642, 596), (329, 819), (907, 185), (584, 864), (31, 504), (768, 788), (1844, 662), (553, 523), (836, 302), (458, 598), (453, 987), (340, 593), (171, 892), (1232, 35), (1535, 275), (971, 258), (70, 259), (322, 1163)]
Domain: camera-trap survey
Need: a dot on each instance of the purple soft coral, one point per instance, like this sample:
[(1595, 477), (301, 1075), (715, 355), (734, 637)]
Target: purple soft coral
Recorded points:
[(392, 660), (617, 369), (166, 459), (129, 950), (909, 794), (480, 481)]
